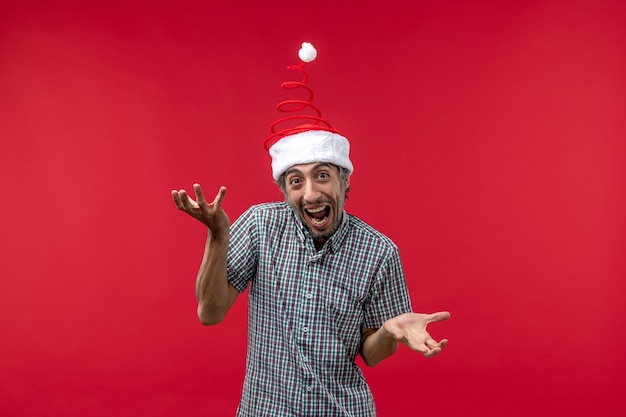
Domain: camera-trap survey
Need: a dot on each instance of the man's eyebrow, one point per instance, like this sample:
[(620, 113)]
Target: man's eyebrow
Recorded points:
[(321, 164), (292, 171), (315, 167)]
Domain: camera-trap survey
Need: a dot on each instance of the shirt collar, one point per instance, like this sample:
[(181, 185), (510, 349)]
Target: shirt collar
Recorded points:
[(335, 241)]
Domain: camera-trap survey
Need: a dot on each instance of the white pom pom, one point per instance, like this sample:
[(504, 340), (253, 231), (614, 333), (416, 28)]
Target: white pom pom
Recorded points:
[(307, 53)]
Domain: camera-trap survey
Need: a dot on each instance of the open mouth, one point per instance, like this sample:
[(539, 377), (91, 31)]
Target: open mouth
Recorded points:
[(318, 216)]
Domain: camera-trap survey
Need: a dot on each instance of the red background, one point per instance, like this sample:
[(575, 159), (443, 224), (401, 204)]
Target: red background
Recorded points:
[(488, 140)]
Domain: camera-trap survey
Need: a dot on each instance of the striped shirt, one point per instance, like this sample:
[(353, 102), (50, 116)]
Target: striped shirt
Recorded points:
[(307, 309)]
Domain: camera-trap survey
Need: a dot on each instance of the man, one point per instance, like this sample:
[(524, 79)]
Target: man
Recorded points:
[(323, 285)]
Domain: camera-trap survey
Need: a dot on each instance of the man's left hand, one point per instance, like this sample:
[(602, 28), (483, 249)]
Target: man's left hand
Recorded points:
[(410, 329)]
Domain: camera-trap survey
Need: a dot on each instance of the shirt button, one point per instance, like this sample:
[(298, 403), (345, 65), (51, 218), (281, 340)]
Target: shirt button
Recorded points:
[(309, 388), (309, 296), (305, 329)]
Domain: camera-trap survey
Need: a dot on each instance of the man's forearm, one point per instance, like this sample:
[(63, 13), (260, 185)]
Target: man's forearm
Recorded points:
[(215, 295), (377, 345)]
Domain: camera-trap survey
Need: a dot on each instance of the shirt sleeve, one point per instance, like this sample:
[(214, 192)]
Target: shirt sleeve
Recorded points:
[(389, 296), (242, 260)]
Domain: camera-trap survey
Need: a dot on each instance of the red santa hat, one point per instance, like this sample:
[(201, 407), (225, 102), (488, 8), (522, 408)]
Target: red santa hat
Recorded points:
[(312, 139)]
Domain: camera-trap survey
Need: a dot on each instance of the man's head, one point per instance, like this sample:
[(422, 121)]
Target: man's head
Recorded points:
[(313, 170), (317, 192)]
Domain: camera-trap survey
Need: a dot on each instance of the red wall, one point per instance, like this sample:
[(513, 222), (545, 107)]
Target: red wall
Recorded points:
[(488, 139)]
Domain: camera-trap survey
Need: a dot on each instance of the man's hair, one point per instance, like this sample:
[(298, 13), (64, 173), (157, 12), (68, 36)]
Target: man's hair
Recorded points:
[(344, 173)]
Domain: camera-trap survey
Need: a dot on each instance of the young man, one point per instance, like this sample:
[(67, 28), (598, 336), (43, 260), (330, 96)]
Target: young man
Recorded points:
[(323, 285)]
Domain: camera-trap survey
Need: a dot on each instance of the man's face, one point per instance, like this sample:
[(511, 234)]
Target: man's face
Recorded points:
[(317, 195)]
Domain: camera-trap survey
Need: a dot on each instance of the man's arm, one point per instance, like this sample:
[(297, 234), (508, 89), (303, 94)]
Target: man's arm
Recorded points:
[(214, 293), (409, 329)]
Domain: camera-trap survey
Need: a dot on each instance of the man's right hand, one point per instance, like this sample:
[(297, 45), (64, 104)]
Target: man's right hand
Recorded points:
[(211, 215)]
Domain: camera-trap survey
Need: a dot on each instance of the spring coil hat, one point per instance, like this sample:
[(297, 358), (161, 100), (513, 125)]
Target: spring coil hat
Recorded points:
[(312, 139)]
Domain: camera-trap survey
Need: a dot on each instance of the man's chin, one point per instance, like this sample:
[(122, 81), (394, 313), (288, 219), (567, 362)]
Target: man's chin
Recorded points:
[(322, 235)]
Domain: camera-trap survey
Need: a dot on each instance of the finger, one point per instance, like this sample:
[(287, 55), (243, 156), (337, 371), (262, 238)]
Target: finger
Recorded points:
[(182, 194), (180, 198), (219, 198), (432, 352), (186, 201), (411, 344), (176, 199), (423, 349), (199, 194), (439, 316), (431, 343)]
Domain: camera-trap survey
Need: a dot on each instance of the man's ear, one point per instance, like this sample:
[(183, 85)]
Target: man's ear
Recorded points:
[(348, 182)]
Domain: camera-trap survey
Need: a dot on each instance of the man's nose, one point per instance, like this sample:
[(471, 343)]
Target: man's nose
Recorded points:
[(311, 192)]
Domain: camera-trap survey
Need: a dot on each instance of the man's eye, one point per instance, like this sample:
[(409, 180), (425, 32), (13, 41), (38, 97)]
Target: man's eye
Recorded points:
[(294, 181), (323, 175)]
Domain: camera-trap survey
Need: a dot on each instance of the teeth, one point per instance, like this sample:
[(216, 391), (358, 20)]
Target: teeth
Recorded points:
[(318, 222), (316, 210)]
